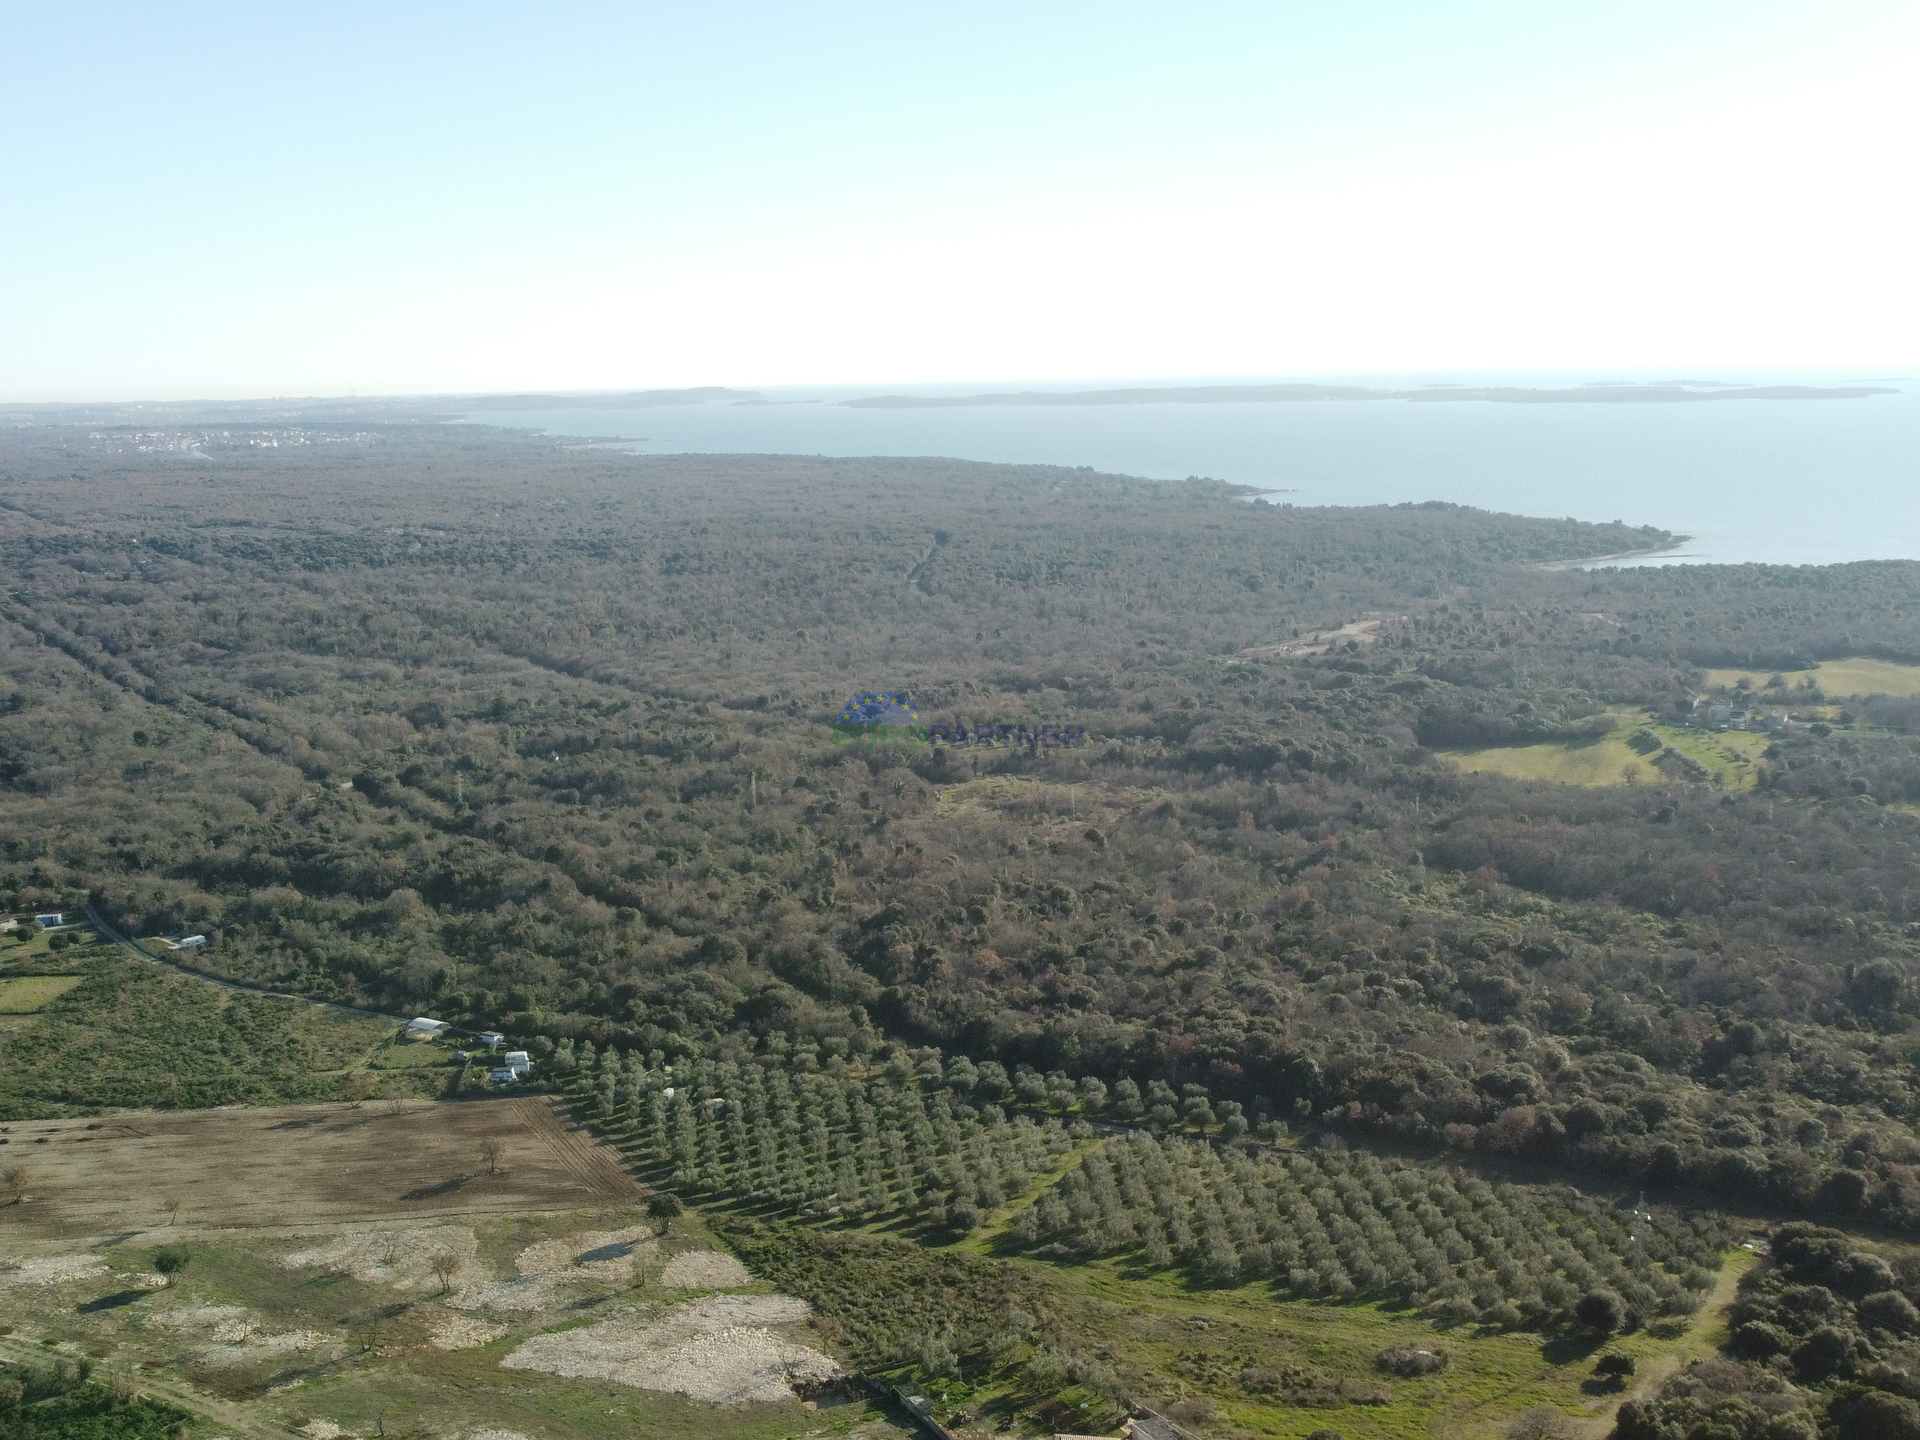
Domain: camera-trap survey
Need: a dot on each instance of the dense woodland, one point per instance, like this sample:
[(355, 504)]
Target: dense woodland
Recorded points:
[(439, 719)]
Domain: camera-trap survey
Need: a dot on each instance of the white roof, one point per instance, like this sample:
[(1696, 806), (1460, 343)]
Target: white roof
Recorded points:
[(421, 1022)]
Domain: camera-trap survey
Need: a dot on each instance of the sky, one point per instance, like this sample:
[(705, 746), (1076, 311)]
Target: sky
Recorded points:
[(241, 200)]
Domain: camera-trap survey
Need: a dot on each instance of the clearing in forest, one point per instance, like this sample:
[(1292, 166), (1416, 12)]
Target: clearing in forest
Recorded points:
[(1726, 758), (1847, 679)]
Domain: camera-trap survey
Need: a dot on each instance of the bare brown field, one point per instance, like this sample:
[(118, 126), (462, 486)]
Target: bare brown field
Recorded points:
[(303, 1165)]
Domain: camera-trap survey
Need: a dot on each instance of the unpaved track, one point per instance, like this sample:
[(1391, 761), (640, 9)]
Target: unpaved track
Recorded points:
[(305, 1165), (1712, 1315)]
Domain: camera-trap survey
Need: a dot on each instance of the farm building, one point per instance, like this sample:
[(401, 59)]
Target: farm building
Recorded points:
[(503, 1076), (192, 942), (422, 1028), (51, 919), (492, 1039), (517, 1061)]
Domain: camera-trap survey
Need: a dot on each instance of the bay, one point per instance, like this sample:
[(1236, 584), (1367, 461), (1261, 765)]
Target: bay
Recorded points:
[(1791, 482)]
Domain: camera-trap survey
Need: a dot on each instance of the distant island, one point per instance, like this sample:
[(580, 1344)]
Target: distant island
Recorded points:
[(631, 400), (1603, 393)]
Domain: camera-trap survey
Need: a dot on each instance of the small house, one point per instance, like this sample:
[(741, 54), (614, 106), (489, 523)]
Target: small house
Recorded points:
[(51, 919), (517, 1061), (422, 1028), (502, 1076), (492, 1039)]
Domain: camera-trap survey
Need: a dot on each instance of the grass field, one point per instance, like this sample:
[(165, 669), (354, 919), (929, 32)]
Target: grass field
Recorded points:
[(1609, 760), (30, 994), (1844, 678), (410, 1055), (1212, 1338)]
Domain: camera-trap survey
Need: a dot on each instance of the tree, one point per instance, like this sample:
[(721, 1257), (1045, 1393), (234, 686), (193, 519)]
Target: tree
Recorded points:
[(15, 1178), (172, 1206), (1540, 1422), (665, 1208), (1890, 1310), (170, 1260), (490, 1153), (446, 1265), (1601, 1311)]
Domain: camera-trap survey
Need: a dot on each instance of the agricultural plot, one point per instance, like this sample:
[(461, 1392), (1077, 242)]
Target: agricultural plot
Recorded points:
[(304, 1165), (1059, 1268), (1333, 1225), (468, 1326), (821, 1145)]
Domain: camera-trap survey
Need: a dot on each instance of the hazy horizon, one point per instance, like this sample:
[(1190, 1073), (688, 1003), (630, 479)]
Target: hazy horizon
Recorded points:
[(839, 390)]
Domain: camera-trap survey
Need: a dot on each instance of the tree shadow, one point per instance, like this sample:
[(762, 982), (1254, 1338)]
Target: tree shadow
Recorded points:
[(445, 1187), (1566, 1349), (111, 1302)]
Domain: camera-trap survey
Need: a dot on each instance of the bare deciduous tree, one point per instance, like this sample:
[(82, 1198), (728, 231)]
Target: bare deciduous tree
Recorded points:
[(490, 1153), (15, 1178), (1541, 1422), (172, 1206), (446, 1265)]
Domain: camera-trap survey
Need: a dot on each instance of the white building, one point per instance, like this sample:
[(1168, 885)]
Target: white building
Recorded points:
[(423, 1028), (517, 1061)]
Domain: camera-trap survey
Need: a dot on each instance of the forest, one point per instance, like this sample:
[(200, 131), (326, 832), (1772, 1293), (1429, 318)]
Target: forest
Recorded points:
[(539, 736)]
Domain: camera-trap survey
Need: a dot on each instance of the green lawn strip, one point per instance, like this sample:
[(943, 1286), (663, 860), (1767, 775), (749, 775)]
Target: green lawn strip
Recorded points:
[(30, 994), (410, 1055), (1849, 678)]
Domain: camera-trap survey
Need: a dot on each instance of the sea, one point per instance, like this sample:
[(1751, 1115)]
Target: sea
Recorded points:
[(1783, 482)]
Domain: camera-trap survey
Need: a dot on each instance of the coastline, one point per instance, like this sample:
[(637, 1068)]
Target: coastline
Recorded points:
[(1679, 542)]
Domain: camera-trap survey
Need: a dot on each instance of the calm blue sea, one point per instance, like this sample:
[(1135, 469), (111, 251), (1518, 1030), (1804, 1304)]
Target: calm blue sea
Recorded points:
[(1780, 481)]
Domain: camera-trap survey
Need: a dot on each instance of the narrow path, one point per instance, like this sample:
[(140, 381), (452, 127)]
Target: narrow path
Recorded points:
[(1700, 1340)]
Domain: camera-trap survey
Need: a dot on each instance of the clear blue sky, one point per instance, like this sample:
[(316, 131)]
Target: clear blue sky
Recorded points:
[(205, 199)]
